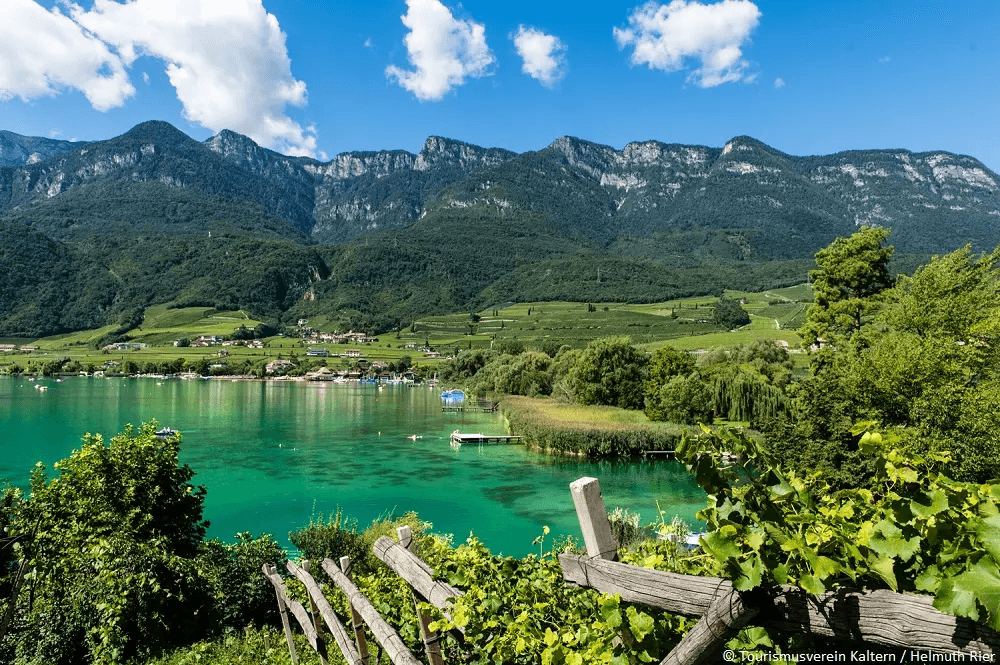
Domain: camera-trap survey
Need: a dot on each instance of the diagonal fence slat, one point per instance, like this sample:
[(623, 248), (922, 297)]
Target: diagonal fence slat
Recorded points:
[(417, 574), (293, 606), (383, 632), (337, 629)]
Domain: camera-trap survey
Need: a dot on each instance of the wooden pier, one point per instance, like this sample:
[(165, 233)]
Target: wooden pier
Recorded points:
[(482, 406), (480, 439)]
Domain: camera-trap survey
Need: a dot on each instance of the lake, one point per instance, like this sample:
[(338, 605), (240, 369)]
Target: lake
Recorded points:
[(271, 454)]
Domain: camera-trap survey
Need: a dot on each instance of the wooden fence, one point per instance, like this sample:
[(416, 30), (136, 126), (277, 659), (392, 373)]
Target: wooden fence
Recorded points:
[(882, 618)]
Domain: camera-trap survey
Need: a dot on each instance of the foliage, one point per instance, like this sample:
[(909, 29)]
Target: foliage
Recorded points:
[(528, 373), (593, 431), (265, 645), (329, 538), (242, 596), (914, 530), (851, 271), (924, 365), (519, 611), (683, 399), (112, 541), (729, 314), (611, 372)]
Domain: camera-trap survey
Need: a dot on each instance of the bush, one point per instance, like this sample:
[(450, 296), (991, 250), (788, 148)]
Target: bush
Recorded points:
[(112, 541), (243, 596)]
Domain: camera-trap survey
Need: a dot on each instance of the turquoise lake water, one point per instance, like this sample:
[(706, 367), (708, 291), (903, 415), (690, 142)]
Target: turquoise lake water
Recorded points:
[(271, 454)]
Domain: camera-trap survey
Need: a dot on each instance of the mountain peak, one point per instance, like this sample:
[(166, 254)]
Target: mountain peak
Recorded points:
[(439, 150), (156, 129)]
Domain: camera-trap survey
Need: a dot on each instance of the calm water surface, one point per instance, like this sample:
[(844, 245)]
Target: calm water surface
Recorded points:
[(272, 453)]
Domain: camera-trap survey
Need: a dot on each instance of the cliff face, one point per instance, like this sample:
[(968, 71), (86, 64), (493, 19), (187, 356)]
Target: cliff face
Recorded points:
[(763, 202)]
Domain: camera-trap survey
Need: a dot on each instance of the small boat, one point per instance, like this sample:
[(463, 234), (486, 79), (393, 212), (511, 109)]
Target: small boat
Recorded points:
[(165, 432), (453, 396), (414, 437)]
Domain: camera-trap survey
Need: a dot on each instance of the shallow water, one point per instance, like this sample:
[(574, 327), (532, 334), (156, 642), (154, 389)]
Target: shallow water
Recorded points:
[(272, 454)]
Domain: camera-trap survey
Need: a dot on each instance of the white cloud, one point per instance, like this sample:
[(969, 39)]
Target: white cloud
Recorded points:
[(226, 59), (544, 55), (666, 36), (368, 43), (43, 52), (145, 77), (442, 49), (779, 83), (885, 59)]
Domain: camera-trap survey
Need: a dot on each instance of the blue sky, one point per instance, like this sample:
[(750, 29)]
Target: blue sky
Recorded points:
[(322, 78)]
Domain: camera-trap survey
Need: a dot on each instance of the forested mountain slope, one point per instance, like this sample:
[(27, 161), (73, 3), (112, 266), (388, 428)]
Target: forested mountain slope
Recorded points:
[(95, 232)]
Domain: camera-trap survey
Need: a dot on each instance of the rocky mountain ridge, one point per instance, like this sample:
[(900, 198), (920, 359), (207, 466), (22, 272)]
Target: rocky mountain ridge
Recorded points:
[(746, 197)]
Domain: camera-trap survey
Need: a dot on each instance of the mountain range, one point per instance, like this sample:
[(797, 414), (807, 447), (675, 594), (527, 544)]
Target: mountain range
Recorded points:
[(376, 238)]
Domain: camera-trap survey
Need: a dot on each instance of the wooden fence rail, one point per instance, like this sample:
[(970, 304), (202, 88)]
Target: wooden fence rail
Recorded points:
[(884, 618), (333, 624), (417, 574), (383, 632)]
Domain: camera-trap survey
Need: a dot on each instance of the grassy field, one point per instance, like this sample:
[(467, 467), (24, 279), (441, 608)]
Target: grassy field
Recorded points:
[(686, 324)]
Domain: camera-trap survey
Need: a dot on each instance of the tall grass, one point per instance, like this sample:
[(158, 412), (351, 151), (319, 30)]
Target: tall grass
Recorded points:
[(593, 431)]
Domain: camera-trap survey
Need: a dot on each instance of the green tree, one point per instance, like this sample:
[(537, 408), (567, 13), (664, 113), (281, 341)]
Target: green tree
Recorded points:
[(851, 271), (730, 314), (665, 364), (684, 399), (112, 541), (610, 371), (924, 364)]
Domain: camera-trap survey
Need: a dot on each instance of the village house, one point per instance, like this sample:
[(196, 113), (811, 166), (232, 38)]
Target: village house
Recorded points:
[(278, 366), (123, 346), (8, 347), (351, 353), (317, 351), (27, 348), (322, 374)]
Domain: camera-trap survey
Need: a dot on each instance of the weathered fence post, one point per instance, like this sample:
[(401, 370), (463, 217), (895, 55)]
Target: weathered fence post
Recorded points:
[(317, 624), (431, 638), (593, 518), (270, 570), (356, 623)]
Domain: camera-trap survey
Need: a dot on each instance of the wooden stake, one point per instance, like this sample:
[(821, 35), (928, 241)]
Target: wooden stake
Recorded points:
[(317, 624), (431, 638), (270, 570), (337, 630), (593, 518), (356, 623)]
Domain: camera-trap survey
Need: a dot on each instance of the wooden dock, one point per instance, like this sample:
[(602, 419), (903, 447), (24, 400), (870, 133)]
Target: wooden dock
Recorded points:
[(480, 439), (482, 406)]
